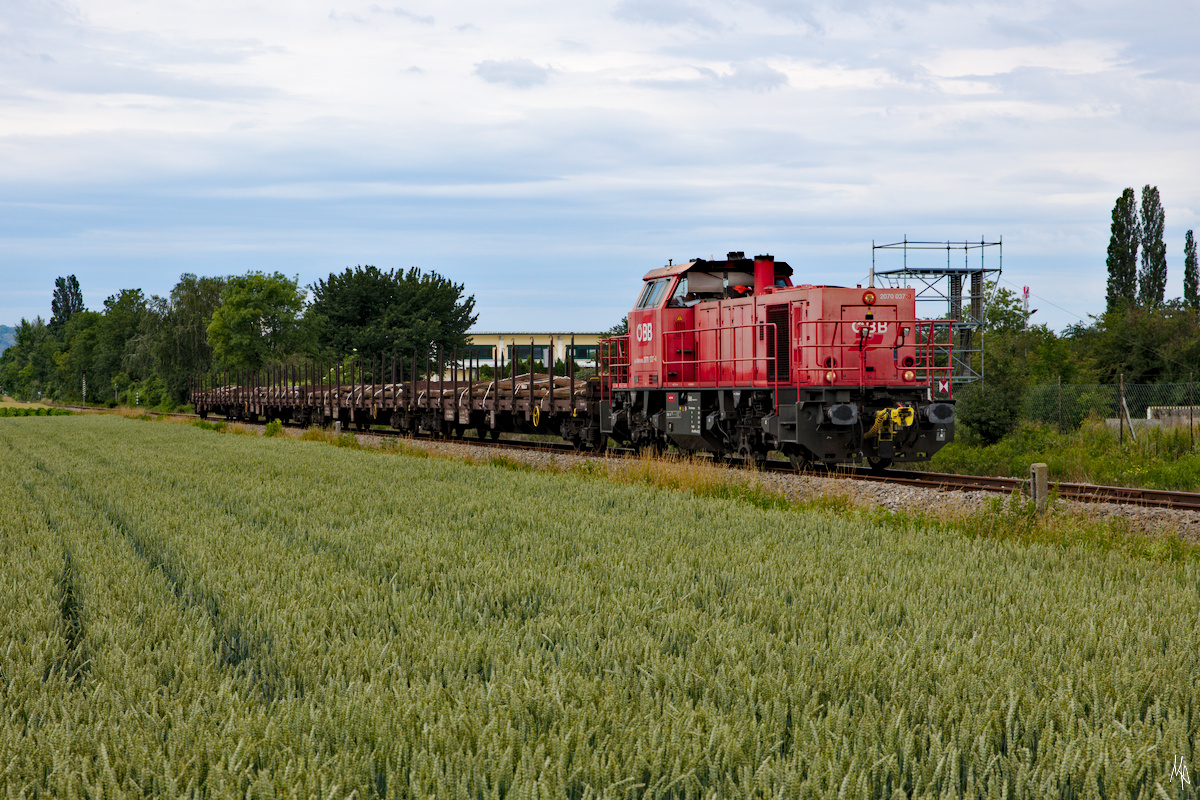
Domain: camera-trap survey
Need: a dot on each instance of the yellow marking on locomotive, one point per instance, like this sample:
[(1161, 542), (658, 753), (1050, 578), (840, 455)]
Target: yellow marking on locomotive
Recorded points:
[(888, 420)]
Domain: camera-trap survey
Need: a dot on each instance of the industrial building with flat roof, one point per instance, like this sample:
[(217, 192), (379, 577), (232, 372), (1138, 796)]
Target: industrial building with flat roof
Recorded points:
[(486, 347)]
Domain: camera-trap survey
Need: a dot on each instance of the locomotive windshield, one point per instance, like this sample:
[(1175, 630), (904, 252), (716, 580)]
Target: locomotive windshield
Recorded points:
[(652, 295)]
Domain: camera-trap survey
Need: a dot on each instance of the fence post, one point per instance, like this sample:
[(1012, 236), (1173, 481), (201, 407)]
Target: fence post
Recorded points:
[(1121, 408)]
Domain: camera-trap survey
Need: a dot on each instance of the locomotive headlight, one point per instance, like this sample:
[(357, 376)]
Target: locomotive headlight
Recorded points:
[(909, 375), (830, 377)]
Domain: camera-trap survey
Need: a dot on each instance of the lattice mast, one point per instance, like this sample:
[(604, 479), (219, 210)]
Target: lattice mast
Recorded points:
[(953, 291)]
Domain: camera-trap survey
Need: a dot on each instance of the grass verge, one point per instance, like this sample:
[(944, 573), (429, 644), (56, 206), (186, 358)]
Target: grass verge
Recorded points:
[(1003, 519)]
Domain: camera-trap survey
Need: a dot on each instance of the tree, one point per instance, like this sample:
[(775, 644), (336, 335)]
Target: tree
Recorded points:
[(27, 366), (1152, 280), (124, 314), (174, 338), (1146, 345), (1122, 252), (377, 312), (620, 329), (67, 300), (1191, 289), (257, 321), (1005, 312), (991, 408)]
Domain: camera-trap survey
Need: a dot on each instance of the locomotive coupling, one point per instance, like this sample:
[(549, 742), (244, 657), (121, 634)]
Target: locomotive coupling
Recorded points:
[(887, 420)]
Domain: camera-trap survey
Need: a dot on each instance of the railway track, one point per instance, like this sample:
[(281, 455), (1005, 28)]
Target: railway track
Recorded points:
[(1081, 492)]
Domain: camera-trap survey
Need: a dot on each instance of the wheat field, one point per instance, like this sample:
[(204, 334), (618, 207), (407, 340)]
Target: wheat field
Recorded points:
[(189, 614)]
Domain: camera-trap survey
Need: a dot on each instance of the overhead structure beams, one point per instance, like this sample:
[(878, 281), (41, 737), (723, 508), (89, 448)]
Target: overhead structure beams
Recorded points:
[(956, 290)]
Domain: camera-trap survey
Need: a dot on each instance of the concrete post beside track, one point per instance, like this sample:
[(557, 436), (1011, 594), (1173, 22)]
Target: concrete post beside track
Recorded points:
[(1039, 485)]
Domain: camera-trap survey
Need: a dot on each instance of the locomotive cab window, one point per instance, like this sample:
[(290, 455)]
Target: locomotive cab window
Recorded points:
[(653, 294)]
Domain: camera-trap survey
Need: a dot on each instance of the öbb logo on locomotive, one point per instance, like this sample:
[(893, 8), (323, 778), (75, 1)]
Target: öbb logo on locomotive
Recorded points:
[(732, 358), (872, 327)]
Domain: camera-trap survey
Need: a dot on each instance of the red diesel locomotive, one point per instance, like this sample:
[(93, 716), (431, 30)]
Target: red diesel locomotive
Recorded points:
[(730, 357)]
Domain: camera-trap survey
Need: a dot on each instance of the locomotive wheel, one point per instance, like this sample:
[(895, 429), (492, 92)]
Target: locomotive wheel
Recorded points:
[(878, 465)]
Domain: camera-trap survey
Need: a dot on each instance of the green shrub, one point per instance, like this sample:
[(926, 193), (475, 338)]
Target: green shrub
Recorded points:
[(273, 428)]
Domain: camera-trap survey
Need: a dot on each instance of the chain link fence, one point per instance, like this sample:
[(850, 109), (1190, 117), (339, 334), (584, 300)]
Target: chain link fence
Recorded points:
[(1066, 405)]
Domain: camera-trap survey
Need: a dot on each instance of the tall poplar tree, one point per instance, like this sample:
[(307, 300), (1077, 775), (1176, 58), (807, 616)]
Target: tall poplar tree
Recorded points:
[(1191, 291), (1152, 280), (1123, 251), (66, 301)]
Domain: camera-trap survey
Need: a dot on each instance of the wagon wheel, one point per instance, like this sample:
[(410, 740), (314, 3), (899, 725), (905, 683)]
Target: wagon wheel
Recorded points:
[(577, 442), (601, 446), (878, 465), (751, 457)]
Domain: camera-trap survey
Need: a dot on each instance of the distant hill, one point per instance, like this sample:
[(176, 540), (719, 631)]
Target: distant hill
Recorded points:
[(8, 337)]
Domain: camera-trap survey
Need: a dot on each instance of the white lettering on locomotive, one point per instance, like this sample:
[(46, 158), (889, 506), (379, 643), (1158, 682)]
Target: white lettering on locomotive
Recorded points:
[(876, 328), (645, 332)]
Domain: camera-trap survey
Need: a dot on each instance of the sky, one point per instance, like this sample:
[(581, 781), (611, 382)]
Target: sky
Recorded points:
[(547, 154)]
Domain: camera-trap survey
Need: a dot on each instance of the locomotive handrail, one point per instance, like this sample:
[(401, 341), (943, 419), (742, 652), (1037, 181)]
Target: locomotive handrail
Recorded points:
[(615, 358), (828, 339), (759, 328), (613, 366)]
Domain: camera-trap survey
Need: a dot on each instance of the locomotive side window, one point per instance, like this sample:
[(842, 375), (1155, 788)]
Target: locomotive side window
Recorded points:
[(680, 297), (654, 292)]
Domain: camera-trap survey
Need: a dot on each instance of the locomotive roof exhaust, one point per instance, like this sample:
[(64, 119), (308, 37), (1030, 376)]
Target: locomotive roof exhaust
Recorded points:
[(764, 274)]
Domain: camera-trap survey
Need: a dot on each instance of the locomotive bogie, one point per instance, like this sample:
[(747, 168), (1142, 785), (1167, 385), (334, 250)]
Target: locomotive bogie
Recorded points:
[(822, 426)]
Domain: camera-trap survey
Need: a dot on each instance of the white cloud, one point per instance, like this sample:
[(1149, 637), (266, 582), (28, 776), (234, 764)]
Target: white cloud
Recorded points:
[(754, 76), (519, 72), (224, 136), (665, 13), (403, 13)]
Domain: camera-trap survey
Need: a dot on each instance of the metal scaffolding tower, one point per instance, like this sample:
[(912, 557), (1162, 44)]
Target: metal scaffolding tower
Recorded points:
[(957, 292)]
